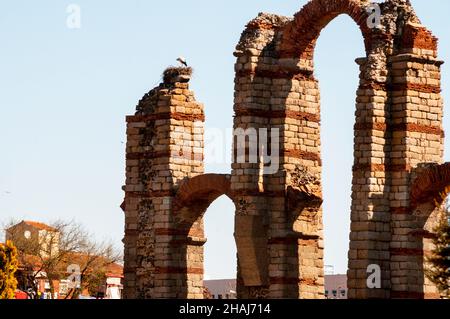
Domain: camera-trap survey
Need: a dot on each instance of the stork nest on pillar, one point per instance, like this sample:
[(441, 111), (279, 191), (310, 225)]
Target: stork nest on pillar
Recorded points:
[(177, 74)]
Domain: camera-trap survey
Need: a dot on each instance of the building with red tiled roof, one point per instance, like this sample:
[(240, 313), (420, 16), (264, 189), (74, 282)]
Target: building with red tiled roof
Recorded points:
[(30, 266), (44, 237), (38, 242), (39, 225)]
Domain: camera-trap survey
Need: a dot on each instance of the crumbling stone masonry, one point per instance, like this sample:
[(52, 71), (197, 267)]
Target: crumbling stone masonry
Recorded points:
[(398, 172)]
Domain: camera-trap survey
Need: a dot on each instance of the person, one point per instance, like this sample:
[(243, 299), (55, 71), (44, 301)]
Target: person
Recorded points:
[(31, 294)]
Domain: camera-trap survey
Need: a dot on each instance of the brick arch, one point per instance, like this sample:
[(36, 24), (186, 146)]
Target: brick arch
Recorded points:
[(300, 36), (196, 194), (431, 185)]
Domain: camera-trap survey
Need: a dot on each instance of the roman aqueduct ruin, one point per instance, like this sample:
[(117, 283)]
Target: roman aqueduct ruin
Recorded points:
[(398, 172)]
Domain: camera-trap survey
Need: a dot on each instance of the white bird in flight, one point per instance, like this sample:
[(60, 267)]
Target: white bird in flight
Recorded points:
[(182, 60)]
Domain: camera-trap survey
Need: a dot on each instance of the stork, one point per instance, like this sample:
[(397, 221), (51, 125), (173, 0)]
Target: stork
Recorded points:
[(182, 61)]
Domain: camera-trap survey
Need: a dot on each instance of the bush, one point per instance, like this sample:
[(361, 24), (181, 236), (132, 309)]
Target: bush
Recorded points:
[(439, 272), (8, 267)]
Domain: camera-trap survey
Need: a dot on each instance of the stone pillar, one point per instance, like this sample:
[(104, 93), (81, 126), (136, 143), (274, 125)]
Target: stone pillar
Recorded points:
[(417, 142), (370, 233), (164, 147), (281, 202), (296, 233), (251, 105)]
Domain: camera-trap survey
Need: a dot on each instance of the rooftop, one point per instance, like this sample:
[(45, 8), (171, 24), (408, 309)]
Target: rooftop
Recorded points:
[(40, 226)]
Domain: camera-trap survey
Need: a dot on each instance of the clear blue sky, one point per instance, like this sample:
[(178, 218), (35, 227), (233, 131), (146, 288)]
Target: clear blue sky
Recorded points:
[(65, 93)]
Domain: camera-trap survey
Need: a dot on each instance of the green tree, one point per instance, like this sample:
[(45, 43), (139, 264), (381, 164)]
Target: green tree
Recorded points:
[(439, 270), (8, 267)]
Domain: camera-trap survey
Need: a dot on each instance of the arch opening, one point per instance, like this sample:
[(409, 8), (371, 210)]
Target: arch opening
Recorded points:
[(430, 208), (193, 199), (300, 36), (196, 194), (220, 253), (285, 68), (338, 83)]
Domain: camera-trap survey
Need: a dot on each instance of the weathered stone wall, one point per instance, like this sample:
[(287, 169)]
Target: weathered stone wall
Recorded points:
[(398, 144), (270, 96), (417, 139), (164, 147)]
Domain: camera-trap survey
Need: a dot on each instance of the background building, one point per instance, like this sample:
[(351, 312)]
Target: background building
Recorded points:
[(221, 288), (39, 249), (43, 239), (335, 287)]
